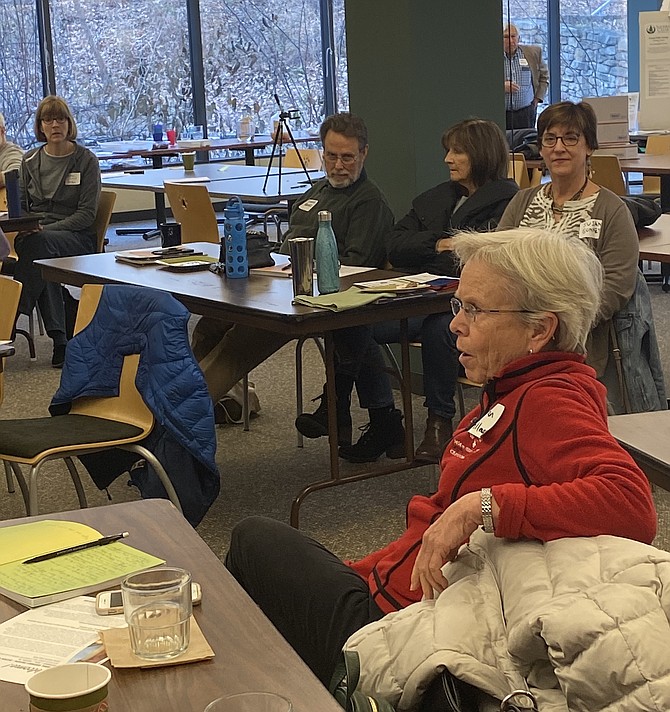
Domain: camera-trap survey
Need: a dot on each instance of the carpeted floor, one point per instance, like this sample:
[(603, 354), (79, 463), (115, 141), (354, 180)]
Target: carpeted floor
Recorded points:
[(262, 470)]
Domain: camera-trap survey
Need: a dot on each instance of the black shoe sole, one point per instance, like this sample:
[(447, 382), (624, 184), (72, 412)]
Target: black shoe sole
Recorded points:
[(309, 427)]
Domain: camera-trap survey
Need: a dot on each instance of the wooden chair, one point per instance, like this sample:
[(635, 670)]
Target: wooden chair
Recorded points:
[(312, 158), (657, 144), (93, 424), (10, 291), (103, 216), (192, 207), (517, 170), (606, 172)]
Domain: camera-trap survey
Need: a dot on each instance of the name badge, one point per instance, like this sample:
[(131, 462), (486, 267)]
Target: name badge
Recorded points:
[(308, 205), (523, 62), (590, 229), (73, 179), (487, 421)]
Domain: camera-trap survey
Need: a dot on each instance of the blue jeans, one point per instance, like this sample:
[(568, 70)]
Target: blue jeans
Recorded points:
[(360, 357), (42, 245)]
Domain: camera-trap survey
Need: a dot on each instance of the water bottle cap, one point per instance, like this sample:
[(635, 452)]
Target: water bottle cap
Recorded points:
[(325, 215)]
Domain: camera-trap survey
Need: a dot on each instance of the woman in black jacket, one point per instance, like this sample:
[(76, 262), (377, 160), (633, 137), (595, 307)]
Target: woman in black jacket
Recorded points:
[(474, 198)]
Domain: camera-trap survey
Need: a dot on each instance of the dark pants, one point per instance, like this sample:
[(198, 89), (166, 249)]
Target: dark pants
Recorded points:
[(42, 245), (314, 600), (360, 357), (521, 118)]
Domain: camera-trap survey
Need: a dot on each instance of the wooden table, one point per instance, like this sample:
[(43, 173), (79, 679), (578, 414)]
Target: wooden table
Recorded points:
[(145, 149), (646, 436), (655, 240), (24, 222), (652, 166), (225, 181), (250, 653), (264, 302)]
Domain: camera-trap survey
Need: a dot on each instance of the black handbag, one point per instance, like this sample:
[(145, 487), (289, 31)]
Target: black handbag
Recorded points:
[(344, 683), (447, 693), (258, 250)]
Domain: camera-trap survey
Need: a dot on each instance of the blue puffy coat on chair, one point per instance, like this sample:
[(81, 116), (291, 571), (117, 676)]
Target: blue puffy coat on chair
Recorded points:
[(153, 324)]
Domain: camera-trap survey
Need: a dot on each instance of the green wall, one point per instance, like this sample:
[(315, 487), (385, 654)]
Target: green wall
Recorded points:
[(415, 68)]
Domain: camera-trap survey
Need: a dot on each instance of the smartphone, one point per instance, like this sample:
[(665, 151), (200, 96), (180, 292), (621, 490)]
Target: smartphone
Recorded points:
[(110, 603), (167, 251)]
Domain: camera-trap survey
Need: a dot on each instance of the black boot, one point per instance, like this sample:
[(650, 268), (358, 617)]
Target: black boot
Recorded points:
[(384, 433), (315, 425), (438, 433)]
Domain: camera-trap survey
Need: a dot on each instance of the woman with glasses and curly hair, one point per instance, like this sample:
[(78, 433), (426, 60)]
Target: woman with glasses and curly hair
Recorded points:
[(574, 205), (60, 180)]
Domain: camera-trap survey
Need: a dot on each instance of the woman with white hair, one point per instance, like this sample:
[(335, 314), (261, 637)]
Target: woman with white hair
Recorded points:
[(10, 153), (534, 460)]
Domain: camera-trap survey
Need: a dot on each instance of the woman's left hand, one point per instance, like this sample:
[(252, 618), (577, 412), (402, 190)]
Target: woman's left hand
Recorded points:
[(441, 542)]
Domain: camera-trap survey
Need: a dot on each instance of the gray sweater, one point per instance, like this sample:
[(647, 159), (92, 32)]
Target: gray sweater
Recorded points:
[(74, 204), (618, 250)]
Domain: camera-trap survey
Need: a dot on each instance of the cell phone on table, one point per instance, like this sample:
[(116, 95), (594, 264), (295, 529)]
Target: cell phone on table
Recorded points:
[(110, 603)]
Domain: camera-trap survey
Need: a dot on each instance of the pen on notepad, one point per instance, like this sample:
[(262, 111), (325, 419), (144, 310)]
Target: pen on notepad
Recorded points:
[(80, 547)]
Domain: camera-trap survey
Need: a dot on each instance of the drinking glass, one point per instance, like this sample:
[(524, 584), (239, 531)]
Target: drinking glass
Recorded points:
[(251, 702), (197, 134), (157, 607)]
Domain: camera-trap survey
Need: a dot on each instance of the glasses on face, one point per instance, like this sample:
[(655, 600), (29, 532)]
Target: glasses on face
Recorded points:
[(471, 311), (54, 120), (570, 139), (346, 159)]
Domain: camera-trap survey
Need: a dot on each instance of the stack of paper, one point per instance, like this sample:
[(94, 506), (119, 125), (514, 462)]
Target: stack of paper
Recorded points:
[(64, 576)]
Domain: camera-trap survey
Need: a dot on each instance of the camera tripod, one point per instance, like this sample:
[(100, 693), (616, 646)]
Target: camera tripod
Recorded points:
[(278, 143)]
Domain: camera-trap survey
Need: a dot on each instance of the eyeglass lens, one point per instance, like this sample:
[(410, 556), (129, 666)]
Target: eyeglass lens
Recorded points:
[(346, 159), (568, 140)]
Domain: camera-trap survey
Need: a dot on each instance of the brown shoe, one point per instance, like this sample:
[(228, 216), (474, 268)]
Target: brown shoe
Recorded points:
[(438, 433)]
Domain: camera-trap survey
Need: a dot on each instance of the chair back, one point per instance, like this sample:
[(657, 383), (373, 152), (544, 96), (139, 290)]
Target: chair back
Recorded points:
[(657, 144), (192, 207), (312, 157), (606, 172), (128, 406), (103, 216), (10, 291), (517, 169), (9, 235)]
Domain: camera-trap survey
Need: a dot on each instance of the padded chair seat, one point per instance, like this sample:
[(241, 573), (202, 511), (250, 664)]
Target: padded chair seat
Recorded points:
[(27, 438)]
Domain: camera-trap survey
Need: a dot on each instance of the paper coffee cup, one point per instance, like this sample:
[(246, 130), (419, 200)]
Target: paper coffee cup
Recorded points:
[(75, 687), (188, 160)]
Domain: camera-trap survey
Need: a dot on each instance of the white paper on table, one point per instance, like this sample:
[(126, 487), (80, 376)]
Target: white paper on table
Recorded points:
[(50, 635), (346, 270)]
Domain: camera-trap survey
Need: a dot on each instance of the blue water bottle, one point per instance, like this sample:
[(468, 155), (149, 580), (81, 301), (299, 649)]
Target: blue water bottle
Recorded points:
[(235, 240), (13, 194), (326, 256)]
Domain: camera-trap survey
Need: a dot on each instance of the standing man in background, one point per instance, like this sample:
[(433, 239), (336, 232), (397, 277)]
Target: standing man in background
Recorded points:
[(10, 153), (526, 80)]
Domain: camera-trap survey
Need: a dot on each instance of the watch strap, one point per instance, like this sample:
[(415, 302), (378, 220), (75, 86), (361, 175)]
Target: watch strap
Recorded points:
[(487, 510)]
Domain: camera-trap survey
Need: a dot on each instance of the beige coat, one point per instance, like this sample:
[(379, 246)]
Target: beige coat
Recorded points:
[(583, 620)]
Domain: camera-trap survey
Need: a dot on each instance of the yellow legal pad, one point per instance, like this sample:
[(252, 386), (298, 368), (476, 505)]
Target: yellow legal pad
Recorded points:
[(64, 576)]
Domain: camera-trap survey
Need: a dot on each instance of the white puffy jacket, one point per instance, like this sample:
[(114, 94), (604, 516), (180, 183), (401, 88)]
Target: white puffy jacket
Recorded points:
[(584, 621)]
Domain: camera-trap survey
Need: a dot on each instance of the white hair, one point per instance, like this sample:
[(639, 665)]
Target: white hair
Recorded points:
[(545, 272)]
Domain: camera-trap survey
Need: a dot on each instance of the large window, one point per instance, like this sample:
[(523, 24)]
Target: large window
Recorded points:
[(592, 53), (20, 72), (124, 65)]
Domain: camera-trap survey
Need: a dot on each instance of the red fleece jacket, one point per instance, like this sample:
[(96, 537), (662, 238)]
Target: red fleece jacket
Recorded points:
[(554, 468)]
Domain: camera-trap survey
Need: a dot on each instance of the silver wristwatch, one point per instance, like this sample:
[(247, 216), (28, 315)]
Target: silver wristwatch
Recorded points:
[(487, 511)]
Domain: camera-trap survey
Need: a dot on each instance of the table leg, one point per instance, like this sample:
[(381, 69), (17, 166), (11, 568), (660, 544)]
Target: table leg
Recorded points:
[(249, 156), (336, 478)]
